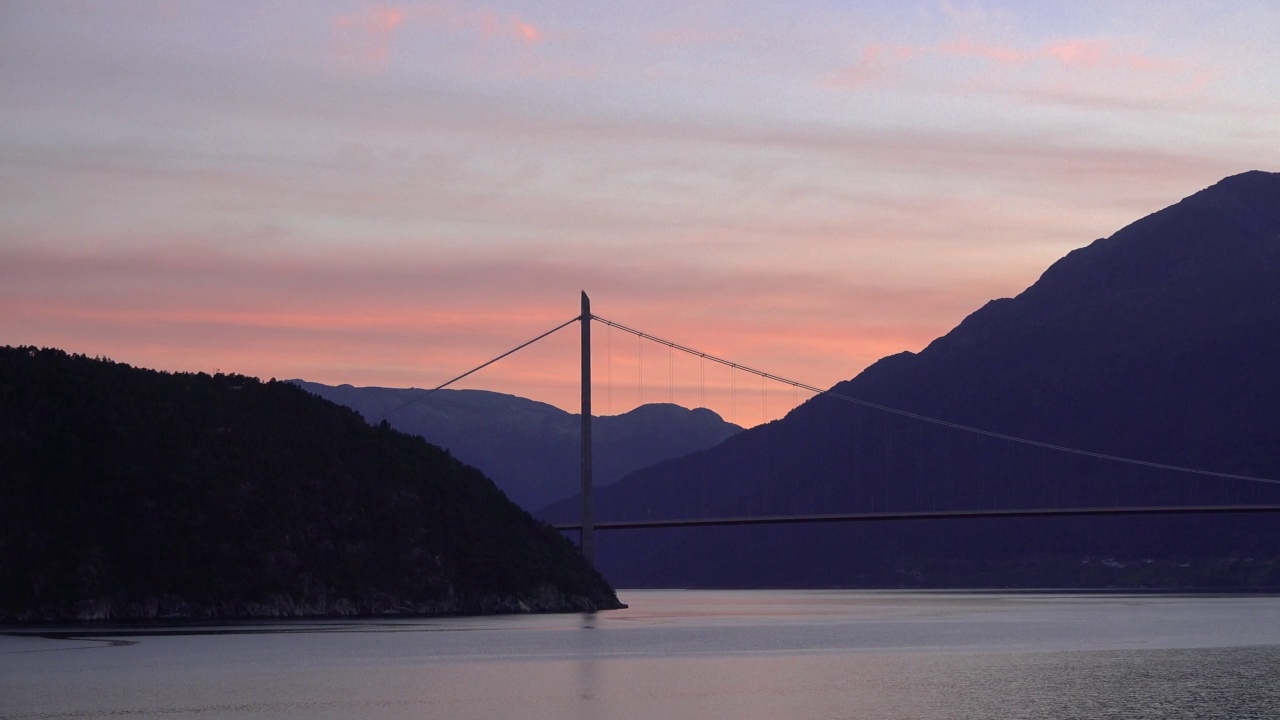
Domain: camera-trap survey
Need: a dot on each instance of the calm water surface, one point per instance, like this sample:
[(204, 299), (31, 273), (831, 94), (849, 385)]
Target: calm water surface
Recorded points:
[(685, 654)]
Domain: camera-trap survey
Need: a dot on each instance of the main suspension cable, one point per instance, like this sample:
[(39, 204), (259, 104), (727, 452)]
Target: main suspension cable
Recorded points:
[(512, 351), (926, 418)]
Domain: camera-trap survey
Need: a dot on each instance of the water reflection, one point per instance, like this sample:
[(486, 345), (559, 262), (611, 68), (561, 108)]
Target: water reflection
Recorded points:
[(688, 655), (588, 672)]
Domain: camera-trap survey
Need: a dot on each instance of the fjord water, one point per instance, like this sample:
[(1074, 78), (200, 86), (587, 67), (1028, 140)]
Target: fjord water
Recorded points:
[(683, 654)]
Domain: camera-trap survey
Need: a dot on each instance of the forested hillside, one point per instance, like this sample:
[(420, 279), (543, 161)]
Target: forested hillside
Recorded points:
[(130, 493)]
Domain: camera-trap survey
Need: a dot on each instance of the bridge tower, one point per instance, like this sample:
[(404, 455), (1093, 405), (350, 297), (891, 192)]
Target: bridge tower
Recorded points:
[(586, 540)]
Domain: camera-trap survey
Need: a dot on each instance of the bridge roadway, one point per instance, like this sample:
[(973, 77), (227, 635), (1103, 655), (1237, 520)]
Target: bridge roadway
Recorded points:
[(927, 515)]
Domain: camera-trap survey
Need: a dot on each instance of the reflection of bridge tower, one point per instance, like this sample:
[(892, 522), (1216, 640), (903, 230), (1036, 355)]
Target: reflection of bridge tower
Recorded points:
[(586, 542)]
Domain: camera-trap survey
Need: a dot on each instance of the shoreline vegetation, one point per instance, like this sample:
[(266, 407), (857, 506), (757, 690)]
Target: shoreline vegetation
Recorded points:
[(137, 494), (103, 629)]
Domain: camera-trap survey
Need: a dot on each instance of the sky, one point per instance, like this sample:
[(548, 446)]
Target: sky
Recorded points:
[(393, 193)]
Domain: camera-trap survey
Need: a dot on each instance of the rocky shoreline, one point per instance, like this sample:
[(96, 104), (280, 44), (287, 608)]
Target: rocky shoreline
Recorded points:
[(546, 599)]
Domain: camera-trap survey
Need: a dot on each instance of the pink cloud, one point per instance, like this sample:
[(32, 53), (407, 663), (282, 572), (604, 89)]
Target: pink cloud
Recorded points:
[(527, 31), (1078, 52), (1095, 60), (368, 35), (494, 25), (1075, 53), (966, 48), (383, 20), (876, 65)]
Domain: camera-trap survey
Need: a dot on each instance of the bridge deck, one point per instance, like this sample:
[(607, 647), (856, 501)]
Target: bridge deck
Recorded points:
[(926, 515)]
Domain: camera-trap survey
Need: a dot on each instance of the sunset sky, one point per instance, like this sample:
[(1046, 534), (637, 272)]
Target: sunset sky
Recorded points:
[(390, 194)]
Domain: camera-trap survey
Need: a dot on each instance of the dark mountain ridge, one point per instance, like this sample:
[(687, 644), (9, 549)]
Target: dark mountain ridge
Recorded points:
[(1158, 343), (130, 493), (529, 448)]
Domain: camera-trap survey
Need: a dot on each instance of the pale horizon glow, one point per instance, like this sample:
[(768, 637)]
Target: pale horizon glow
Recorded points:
[(390, 193)]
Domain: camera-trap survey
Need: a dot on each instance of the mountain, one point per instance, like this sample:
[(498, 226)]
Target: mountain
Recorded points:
[(129, 493), (1159, 343), (532, 449)]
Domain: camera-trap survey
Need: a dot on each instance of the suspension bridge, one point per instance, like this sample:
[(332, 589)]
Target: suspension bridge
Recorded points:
[(587, 525)]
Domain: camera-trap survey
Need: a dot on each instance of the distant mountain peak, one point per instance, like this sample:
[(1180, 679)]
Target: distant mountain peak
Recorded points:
[(1246, 181), (530, 448), (1231, 226)]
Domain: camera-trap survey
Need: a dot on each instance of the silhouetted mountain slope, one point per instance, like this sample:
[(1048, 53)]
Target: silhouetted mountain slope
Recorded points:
[(531, 449), (129, 493), (1159, 343)]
